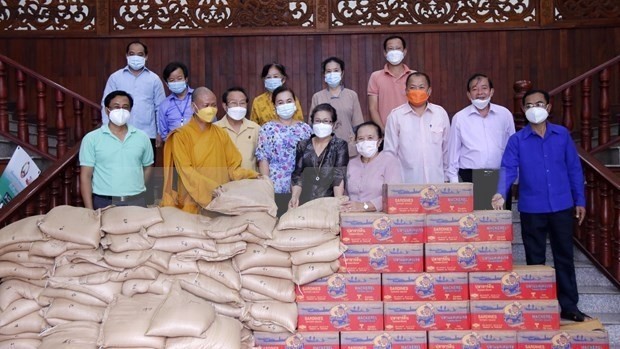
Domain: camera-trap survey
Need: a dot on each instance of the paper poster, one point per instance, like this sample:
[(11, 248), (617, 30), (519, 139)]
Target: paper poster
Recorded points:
[(19, 172)]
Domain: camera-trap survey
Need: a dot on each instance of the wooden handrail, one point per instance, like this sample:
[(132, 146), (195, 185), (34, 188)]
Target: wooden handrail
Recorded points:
[(601, 169), (589, 73), (47, 81), (31, 148)]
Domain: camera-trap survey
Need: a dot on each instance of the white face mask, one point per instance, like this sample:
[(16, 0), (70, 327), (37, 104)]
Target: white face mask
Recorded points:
[(395, 57), (536, 115), (286, 111), (333, 79), (136, 62), (119, 117), (237, 113), (322, 130), (480, 103), (367, 149), (272, 83)]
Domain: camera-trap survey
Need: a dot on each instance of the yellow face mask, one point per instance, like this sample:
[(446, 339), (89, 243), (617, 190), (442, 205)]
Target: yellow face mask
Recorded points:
[(207, 114)]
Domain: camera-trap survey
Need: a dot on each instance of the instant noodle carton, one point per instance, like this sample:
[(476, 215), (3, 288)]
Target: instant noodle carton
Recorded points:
[(381, 340), (523, 282), (394, 258), (424, 286), (335, 316), (472, 339), (433, 315), (382, 228), (562, 340), (307, 340), (515, 315), (475, 226), (428, 198), (342, 288), (468, 256)]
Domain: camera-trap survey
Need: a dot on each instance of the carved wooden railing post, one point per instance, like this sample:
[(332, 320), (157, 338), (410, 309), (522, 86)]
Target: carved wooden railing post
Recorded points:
[(77, 195), (61, 137), (41, 118), (591, 211), (22, 126), (4, 113), (520, 87), (586, 114), (78, 111), (602, 250), (567, 108), (604, 132), (616, 237)]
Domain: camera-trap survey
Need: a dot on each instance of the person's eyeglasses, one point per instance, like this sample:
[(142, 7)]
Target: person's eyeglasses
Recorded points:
[(537, 104), (327, 122), (237, 104)]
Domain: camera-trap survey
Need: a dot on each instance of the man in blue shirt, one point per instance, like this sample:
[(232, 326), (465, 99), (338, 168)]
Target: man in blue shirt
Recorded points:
[(176, 110), (551, 194)]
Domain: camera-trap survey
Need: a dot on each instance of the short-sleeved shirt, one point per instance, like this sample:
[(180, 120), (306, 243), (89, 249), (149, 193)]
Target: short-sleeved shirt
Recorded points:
[(245, 141), (118, 165), (264, 111), (174, 113), (389, 89)]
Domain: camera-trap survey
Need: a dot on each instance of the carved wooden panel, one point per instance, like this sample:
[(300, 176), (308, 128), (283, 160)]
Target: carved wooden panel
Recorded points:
[(391, 12), (187, 14), (586, 9), (47, 15)]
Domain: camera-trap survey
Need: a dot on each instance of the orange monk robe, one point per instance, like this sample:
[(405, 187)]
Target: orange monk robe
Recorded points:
[(204, 160)]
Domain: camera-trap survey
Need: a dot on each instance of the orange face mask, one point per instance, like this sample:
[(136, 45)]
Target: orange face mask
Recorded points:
[(417, 97)]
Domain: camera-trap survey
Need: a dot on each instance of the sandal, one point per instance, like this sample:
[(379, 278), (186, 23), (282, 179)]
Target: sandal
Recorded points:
[(576, 315)]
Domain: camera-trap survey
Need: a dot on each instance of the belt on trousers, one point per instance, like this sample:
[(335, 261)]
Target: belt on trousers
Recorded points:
[(119, 198)]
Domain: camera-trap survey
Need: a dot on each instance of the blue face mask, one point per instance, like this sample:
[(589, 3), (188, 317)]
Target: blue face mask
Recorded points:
[(272, 83), (177, 87)]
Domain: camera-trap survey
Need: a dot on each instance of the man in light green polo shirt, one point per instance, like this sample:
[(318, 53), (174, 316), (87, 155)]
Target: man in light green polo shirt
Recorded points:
[(115, 159)]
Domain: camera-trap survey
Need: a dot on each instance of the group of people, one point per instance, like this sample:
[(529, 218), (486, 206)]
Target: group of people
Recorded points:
[(333, 151)]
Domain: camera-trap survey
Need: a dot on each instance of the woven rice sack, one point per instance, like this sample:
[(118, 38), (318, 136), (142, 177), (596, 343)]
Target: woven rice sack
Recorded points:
[(132, 259), (48, 295), (79, 269), (243, 236), (75, 224), (257, 223), (126, 321), (224, 251), (176, 244), (258, 256), (10, 269), (127, 242), (129, 219), (85, 256), (141, 272), (54, 247), (18, 310), (24, 335), (24, 230), (20, 344), (321, 213), (298, 239), (177, 223), (72, 311), (181, 314), (243, 196), (278, 289), (224, 333), (275, 313), (12, 290), (306, 273), (209, 289), (247, 338), (18, 246), (251, 296), (326, 252), (161, 286), (221, 271), (24, 258), (276, 272), (229, 310), (176, 266), (104, 292), (256, 325), (72, 335), (32, 322)]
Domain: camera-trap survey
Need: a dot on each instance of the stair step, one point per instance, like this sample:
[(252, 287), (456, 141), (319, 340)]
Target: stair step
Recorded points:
[(599, 299)]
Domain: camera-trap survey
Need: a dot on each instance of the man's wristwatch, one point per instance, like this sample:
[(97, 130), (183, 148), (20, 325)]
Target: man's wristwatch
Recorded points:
[(365, 206)]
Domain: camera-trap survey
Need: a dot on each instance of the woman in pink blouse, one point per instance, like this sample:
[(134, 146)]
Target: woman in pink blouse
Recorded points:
[(367, 172)]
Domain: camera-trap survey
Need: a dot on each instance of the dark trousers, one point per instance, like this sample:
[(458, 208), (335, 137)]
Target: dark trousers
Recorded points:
[(282, 201), (559, 226), (466, 175), (101, 201)]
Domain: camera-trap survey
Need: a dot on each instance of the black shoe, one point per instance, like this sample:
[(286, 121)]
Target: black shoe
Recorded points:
[(575, 315)]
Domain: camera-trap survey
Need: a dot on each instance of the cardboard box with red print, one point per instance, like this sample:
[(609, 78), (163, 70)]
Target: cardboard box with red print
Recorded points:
[(562, 339), (307, 340), (393, 258), (336, 316), (472, 339), (428, 198), (523, 282), (475, 226), (382, 228), (424, 286), (433, 315), (383, 339), (342, 288), (515, 315), (468, 256)]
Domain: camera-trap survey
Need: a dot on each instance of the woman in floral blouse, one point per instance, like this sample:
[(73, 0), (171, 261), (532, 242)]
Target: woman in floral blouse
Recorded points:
[(277, 142)]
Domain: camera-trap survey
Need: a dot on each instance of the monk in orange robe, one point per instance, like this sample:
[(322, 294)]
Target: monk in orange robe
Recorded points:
[(203, 156)]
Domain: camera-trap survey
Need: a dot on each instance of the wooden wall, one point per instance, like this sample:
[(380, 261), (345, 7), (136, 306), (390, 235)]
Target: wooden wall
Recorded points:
[(547, 57)]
